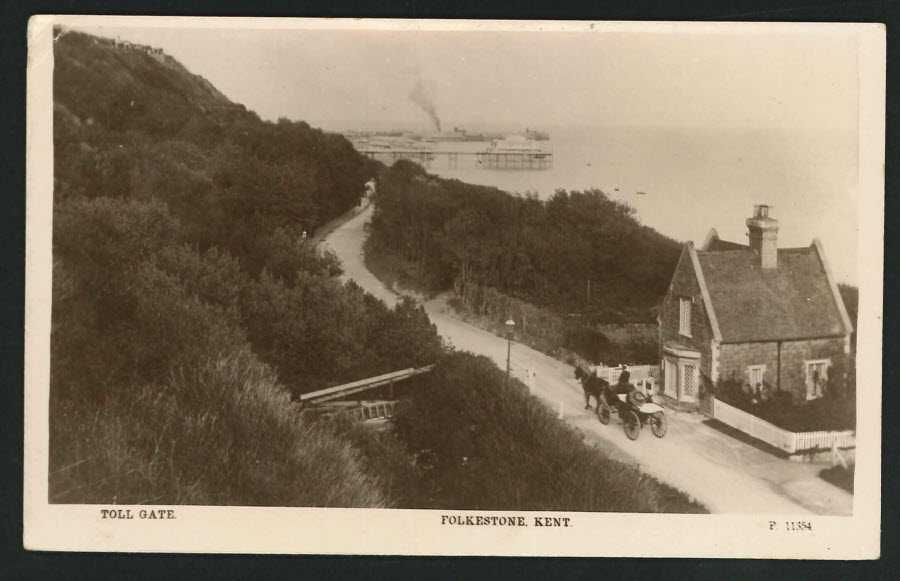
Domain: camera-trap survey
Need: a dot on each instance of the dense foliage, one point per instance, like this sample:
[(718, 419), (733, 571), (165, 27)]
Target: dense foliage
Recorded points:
[(575, 252), (188, 308), (127, 124)]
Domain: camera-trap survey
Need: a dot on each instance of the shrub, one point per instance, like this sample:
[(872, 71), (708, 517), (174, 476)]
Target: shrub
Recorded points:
[(117, 316), (169, 329), (287, 253), (104, 238), (213, 277)]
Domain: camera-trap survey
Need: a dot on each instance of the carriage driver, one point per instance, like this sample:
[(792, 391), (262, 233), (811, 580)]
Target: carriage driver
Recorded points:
[(624, 384)]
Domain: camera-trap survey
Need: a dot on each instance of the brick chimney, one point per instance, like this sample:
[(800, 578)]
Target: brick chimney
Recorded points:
[(763, 233)]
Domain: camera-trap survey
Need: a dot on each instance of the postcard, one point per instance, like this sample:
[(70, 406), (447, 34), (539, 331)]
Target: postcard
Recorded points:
[(412, 287)]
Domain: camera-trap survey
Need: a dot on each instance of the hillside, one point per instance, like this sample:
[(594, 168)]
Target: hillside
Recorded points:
[(189, 311), (133, 122)]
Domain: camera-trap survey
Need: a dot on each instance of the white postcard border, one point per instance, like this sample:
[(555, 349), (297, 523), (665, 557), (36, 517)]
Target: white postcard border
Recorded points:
[(200, 529)]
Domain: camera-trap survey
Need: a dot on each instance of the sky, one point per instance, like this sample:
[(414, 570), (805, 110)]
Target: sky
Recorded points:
[(338, 79), (782, 81)]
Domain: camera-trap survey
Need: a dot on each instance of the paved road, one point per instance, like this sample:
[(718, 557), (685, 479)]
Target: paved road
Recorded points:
[(725, 474)]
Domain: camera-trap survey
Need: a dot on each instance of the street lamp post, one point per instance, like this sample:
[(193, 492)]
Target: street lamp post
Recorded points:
[(510, 326)]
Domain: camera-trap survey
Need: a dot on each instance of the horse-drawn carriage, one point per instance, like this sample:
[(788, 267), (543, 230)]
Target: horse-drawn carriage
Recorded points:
[(633, 407)]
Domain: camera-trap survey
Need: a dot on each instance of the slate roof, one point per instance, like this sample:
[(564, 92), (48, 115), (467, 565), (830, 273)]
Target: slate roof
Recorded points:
[(716, 244), (793, 301)]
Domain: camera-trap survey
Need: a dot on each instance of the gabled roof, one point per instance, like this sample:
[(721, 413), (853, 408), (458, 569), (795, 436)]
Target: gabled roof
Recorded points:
[(724, 245), (713, 242), (796, 300)]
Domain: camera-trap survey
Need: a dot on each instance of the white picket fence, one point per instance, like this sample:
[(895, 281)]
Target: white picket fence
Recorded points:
[(825, 440), (644, 377), (790, 442)]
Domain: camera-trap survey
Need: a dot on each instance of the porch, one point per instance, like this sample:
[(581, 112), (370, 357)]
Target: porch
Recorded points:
[(681, 377)]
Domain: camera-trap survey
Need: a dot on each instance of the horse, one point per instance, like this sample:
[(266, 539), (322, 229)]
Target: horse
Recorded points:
[(593, 386)]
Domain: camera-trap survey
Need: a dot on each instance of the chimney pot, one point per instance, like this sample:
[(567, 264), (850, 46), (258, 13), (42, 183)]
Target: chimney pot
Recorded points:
[(763, 234)]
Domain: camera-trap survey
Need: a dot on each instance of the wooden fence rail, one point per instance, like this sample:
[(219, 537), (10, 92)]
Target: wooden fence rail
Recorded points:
[(378, 410), (339, 391)]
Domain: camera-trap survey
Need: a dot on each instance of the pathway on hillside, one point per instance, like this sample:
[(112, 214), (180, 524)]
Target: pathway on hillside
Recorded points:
[(725, 474)]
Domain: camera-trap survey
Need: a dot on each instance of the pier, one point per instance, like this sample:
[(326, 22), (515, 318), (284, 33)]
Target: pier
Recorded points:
[(485, 159)]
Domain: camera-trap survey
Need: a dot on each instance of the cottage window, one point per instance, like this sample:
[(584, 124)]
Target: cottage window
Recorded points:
[(684, 324), (816, 378), (756, 375), (689, 382)]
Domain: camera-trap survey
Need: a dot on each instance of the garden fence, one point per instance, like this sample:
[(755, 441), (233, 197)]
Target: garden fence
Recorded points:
[(790, 442)]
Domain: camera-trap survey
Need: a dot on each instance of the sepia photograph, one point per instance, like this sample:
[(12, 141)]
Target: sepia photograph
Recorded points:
[(491, 286)]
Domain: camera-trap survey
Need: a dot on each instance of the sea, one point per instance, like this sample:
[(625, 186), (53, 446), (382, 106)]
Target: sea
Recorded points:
[(682, 182)]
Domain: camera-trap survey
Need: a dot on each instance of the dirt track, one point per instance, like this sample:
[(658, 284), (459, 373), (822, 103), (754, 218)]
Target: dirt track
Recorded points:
[(725, 474)]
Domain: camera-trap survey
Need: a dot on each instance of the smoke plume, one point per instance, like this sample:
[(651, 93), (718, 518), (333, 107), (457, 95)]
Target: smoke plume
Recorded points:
[(421, 96)]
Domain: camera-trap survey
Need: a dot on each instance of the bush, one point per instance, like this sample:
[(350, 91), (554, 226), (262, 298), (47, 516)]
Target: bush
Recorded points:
[(213, 277), (288, 254)]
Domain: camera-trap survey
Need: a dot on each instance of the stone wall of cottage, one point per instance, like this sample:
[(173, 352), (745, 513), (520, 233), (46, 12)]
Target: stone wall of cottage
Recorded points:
[(795, 353), (736, 358), (685, 285)]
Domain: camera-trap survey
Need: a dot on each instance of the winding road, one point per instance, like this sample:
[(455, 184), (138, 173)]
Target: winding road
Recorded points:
[(723, 473)]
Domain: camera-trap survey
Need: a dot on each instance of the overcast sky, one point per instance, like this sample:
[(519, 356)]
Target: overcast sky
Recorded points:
[(338, 78), (787, 82)]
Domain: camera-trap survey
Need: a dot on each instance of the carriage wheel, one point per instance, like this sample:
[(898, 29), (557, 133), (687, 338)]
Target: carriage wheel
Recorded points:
[(658, 424), (603, 413), (632, 424)]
